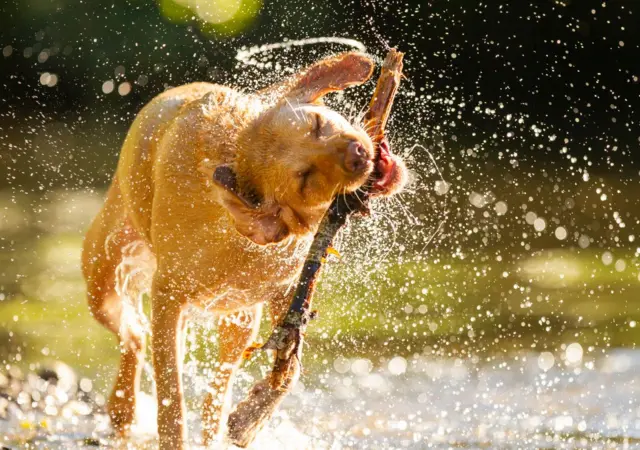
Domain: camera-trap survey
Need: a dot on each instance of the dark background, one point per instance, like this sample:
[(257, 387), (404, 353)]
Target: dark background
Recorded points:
[(530, 102), (529, 110), (553, 61)]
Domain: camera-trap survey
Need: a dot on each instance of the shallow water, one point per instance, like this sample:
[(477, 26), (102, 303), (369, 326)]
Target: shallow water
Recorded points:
[(434, 353), (528, 400)]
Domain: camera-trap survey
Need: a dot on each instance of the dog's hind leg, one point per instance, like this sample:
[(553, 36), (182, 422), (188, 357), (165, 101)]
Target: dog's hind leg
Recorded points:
[(102, 253), (236, 332)]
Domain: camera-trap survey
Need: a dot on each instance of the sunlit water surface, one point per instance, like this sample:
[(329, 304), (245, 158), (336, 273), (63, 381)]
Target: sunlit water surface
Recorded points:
[(577, 399)]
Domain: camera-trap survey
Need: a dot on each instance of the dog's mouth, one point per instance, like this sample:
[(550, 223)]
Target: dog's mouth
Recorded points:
[(390, 173)]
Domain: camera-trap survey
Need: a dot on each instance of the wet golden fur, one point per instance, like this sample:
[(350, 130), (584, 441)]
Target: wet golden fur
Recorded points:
[(224, 247)]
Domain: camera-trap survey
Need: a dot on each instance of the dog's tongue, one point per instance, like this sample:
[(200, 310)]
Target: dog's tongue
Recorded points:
[(384, 167)]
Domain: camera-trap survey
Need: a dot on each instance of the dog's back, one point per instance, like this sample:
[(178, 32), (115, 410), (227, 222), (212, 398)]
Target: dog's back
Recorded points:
[(137, 158)]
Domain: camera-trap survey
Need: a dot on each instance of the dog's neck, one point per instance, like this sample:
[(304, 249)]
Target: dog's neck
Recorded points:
[(251, 163)]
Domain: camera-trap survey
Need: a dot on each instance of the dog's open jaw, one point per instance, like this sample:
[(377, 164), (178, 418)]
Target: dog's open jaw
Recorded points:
[(390, 172)]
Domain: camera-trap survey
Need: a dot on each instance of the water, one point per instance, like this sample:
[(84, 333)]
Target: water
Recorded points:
[(247, 56), (522, 401), (390, 367), (492, 305), (535, 352)]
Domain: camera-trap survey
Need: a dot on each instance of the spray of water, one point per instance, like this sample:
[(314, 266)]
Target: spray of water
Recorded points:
[(247, 55)]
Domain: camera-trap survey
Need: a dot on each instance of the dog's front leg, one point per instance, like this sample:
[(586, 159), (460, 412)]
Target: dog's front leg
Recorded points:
[(166, 326), (236, 332)]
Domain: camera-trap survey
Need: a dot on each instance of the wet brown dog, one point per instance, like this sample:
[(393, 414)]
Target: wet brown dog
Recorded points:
[(214, 203)]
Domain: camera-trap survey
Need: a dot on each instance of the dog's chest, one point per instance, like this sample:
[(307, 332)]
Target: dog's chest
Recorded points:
[(235, 273), (273, 265)]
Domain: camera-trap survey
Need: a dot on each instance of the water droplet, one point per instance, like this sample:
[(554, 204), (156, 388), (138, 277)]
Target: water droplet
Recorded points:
[(107, 86), (500, 208), (574, 353), (546, 361), (397, 365)]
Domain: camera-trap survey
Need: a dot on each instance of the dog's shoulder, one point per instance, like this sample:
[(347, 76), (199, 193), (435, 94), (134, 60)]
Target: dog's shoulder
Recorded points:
[(204, 131)]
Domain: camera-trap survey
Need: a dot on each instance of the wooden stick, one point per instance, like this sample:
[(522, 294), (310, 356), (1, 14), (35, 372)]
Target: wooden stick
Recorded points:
[(287, 338), (382, 100)]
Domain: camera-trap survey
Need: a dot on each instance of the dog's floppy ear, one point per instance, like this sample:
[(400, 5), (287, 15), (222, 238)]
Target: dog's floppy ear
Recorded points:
[(329, 75), (261, 225)]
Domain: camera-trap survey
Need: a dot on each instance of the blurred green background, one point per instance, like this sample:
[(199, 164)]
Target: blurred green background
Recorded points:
[(529, 110)]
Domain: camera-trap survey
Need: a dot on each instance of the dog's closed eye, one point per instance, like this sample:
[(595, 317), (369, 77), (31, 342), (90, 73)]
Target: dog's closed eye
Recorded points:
[(318, 125), (304, 178)]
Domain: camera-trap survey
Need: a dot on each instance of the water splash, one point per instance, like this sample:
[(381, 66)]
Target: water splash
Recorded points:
[(247, 55)]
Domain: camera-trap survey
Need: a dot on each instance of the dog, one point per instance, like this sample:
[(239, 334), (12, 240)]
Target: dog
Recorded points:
[(214, 203)]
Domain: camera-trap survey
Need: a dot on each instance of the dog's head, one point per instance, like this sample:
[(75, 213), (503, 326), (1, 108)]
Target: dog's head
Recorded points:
[(299, 154)]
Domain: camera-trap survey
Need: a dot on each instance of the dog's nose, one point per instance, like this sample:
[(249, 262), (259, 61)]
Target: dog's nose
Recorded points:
[(356, 158)]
